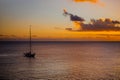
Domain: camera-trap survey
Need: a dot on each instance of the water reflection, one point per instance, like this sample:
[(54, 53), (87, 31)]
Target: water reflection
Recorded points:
[(81, 61)]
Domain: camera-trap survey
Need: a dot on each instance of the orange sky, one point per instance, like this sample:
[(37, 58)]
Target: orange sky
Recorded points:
[(48, 23)]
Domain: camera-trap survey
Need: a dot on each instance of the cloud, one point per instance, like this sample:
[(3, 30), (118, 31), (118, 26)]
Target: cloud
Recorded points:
[(73, 17), (92, 1), (105, 24), (116, 22), (7, 36), (76, 18), (59, 28), (1, 35), (98, 25)]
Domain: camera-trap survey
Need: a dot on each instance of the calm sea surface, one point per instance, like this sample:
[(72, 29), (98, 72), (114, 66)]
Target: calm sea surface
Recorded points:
[(60, 61)]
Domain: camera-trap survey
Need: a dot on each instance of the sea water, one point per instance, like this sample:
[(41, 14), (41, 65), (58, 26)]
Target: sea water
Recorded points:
[(60, 61)]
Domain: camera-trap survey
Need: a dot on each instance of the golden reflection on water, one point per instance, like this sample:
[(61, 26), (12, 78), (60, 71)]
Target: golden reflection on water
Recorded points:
[(63, 61)]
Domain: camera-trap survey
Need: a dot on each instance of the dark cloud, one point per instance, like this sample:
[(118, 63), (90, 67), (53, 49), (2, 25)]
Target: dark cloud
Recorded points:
[(69, 29), (34, 36), (1, 35), (76, 18), (73, 17), (104, 22), (4, 37), (116, 22), (9, 36), (97, 25)]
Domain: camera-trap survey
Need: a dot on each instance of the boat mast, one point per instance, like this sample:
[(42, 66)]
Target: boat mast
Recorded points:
[(30, 38)]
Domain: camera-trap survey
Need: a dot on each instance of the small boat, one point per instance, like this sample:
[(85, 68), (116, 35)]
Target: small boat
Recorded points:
[(30, 54)]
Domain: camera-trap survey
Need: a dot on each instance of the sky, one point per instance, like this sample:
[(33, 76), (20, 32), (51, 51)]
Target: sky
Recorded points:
[(49, 23)]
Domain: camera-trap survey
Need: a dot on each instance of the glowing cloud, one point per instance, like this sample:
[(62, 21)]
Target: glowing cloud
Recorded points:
[(91, 1), (77, 25)]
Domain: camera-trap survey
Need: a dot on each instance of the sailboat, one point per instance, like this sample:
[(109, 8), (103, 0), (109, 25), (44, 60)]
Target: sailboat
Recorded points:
[(30, 54)]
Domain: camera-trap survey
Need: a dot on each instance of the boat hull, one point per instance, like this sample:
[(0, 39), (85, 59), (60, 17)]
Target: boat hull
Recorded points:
[(29, 54)]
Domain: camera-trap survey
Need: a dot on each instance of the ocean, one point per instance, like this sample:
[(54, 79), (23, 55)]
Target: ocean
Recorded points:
[(60, 61)]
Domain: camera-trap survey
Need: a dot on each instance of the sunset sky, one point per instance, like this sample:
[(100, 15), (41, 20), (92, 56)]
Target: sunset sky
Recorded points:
[(49, 23)]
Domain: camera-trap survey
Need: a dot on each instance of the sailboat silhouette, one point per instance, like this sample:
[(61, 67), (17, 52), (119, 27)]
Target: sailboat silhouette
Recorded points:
[(30, 54)]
